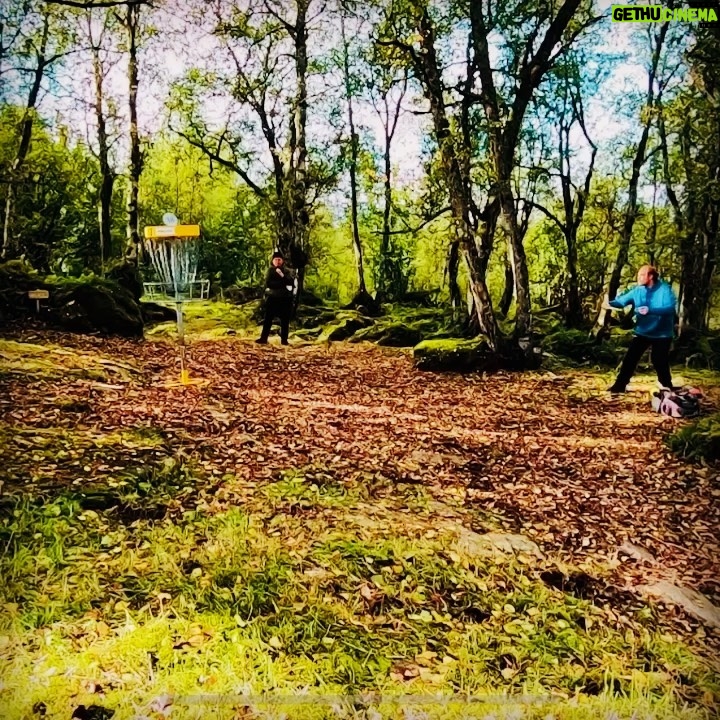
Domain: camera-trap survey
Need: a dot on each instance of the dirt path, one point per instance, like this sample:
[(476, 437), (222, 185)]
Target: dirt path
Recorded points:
[(547, 456)]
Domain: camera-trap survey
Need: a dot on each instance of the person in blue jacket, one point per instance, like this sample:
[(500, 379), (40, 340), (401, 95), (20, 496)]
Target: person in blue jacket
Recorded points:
[(654, 303)]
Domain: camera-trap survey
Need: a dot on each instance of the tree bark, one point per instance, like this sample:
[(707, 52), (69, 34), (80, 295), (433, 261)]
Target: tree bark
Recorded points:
[(603, 320), (132, 21), (357, 245), (26, 127), (458, 186), (453, 265), (384, 288), (106, 172), (508, 289)]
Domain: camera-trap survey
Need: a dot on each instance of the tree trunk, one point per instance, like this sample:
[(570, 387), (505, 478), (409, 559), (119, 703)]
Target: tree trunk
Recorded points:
[(106, 173), (9, 246), (133, 232), (574, 314), (523, 325), (504, 134), (296, 177), (508, 289), (389, 279), (603, 320), (457, 185), (383, 280), (453, 263), (362, 290), (698, 231)]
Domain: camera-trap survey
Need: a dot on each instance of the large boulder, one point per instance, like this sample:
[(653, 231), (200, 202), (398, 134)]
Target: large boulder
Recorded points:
[(87, 304), (344, 325), (154, 313), (16, 279), (88, 308), (126, 274), (475, 355), (241, 294), (454, 355)]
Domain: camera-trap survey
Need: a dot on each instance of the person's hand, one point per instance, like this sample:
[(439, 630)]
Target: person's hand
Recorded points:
[(643, 310)]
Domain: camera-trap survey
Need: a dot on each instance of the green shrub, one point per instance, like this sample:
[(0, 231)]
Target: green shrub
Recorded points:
[(698, 441), (579, 346)]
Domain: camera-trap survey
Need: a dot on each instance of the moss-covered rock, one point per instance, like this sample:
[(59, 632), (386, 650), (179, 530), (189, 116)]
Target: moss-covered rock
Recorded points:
[(16, 279), (314, 316), (403, 326), (581, 347), (154, 313), (85, 304), (345, 324), (126, 274), (90, 308), (241, 294), (421, 298), (699, 440), (452, 354), (391, 333), (698, 351)]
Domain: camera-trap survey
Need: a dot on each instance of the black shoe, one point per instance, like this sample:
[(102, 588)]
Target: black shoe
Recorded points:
[(616, 389), (261, 341)]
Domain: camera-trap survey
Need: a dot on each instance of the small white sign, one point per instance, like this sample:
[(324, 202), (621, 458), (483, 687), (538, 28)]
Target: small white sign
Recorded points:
[(38, 294)]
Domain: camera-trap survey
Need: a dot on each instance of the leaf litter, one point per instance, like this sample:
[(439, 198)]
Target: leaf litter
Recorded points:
[(297, 434)]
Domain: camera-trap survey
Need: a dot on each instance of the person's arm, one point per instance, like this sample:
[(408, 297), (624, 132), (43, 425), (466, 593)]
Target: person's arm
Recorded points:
[(621, 301), (275, 279)]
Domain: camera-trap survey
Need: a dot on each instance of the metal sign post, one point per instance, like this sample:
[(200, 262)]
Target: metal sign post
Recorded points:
[(173, 251), (37, 296)]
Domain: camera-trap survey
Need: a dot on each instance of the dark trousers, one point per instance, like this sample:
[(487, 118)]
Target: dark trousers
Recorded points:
[(659, 355), (277, 308)]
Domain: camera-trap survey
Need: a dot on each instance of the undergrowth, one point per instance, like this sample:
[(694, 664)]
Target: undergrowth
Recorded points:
[(699, 440), (121, 610)]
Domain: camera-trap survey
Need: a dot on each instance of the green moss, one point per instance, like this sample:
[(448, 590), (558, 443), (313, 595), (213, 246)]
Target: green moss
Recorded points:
[(209, 320), (580, 346), (346, 323), (451, 354), (699, 440), (20, 358)]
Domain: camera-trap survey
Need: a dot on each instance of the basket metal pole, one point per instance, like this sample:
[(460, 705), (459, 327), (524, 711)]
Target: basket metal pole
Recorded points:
[(184, 375)]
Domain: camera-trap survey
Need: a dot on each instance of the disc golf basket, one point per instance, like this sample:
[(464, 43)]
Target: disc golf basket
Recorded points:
[(173, 250)]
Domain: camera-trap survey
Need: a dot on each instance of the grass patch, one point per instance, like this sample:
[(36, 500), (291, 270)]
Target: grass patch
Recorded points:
[(307, 488), (53, 460), (49, 361), (699, 440), (261, 597), (209, 320)]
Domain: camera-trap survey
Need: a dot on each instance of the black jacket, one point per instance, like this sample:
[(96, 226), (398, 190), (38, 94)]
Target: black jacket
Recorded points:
[(277, 285)]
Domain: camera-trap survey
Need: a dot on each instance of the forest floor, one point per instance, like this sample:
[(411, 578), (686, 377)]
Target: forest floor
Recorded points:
[(321, 522)]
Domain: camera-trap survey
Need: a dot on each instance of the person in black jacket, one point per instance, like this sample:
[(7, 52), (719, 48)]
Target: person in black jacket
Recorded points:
[(278, 299)]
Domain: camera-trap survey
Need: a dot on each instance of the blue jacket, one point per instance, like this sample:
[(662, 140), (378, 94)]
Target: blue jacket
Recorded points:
[(660, 299)]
